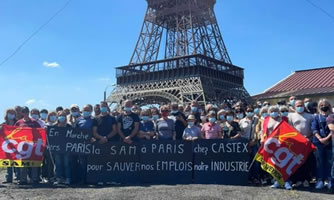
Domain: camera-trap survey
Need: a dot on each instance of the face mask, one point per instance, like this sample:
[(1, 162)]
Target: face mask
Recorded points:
[(265, 115), (127, 109), (86, 114), (194, 109), (306, 104), (203, 119), (324, 109), (35, 116), (164, 114), (212, 120), (44, 116), (74, 114), (191, 124), (285, 114), (61, 119), (222, 117), (145, 118), (104, 109), (300, 109), (240, 116), (292, 102), (250, 114), (10, 116), (155, 117), (257, 111), (229, 118), (53, 118), (174, 111), (274, 114)]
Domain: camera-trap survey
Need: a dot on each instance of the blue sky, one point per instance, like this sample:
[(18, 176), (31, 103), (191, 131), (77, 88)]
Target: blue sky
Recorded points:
[(74, 57)]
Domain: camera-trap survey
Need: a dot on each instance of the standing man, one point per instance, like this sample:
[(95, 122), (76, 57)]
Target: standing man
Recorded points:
[(302, 122), (179, 120), (26, 121), (128, 123)]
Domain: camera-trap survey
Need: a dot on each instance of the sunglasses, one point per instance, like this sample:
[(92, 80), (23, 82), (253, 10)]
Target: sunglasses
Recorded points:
[(164, 111)]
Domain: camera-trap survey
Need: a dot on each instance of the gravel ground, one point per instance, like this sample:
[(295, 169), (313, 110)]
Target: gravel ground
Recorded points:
[(175, 192)]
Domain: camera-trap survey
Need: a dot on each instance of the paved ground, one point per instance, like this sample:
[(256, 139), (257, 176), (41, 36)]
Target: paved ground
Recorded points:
[(160, 192)]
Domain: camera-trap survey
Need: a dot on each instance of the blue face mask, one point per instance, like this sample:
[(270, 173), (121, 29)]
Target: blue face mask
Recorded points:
[(194, 109), (35, 116), (212, 120), (191, 124), (257, 111), (229, 118), (74, 114), (285, 114), (306, 104), (127, 109), (274, 114), (250, 114), (86, 114), (145, 118), (264, 115), (155, 117), (174, 111), (61, 119), (44, 116), (10, 116), (53, 118), (222, 117), (292, 102), (300, 109), (240, 116), (104, 109)]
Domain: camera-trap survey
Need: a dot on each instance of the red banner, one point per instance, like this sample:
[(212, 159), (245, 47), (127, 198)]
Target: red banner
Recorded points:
[(283, 152), (22, 146)]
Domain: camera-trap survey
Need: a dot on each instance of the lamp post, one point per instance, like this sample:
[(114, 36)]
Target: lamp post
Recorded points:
[(105, 91)]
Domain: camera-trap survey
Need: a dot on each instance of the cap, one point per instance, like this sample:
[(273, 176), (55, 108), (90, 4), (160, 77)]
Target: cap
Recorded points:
[(191, 117), (330, 119), (74, 106)]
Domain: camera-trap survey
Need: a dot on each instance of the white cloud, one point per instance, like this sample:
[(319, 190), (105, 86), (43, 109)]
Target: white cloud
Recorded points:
[(51, 64), (31, 101)]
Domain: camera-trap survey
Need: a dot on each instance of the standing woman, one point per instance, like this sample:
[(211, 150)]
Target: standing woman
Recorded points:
[(63, 161), (322, 140), (10, 119), (231, 128), (211, 130), (165, 127)]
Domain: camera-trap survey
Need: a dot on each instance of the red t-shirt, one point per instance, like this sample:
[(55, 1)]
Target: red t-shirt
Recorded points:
[(30, 123)]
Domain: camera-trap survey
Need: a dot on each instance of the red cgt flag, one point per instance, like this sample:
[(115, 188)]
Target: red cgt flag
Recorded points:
[(22, 146), (283, 152)]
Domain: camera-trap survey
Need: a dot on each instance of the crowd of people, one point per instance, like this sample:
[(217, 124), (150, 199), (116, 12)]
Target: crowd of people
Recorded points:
[(194, 121)]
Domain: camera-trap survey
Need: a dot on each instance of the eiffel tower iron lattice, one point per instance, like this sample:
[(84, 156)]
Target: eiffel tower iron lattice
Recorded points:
[(194, 63)]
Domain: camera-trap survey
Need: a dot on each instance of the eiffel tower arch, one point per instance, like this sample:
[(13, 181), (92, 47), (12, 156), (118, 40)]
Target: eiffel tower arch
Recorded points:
[(194, 64)]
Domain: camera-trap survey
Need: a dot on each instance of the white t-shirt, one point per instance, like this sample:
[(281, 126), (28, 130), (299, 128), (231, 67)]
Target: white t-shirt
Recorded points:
[(301, 122)]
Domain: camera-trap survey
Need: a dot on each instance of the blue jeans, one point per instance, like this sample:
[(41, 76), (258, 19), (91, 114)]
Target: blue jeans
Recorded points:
[(9, 174), (323, 156), (63, 163)]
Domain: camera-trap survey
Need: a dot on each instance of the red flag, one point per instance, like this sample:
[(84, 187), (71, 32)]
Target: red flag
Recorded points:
[(22, 146), (283, 152)]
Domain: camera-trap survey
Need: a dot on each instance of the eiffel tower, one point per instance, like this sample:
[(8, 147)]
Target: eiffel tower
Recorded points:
[(180, 56)]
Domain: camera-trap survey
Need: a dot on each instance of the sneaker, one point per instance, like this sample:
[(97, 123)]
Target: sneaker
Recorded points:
[(319, 185), (275, 185), (100, 183), (298, 184), (306, 184), (57, 182), (7, 181), (287, 185), (44, 180), (264, 182)]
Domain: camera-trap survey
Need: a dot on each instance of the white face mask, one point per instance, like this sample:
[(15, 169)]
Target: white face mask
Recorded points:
[(203, 119)]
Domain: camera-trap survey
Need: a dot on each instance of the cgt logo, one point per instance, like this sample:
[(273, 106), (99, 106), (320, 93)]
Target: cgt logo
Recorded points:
[(23, 149), (282, 156)]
